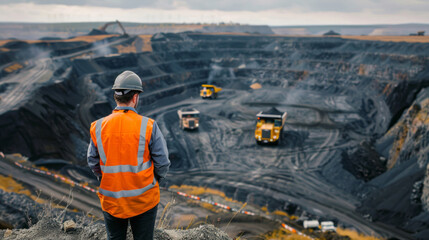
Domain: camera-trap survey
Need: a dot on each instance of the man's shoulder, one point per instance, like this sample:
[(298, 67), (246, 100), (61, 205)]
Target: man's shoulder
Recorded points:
[(151, 120), (94, 122), (101, 119), (151, 123)]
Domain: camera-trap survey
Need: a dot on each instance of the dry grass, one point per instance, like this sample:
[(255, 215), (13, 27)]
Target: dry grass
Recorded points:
[(8, 184), (147, 45), (422, 117), (198, 191), (280, 213), (414, 39), (361, 70), (13, 67), (265, 210), (256, 86), (397, 145), (388, 89), (210, 207), (126, 49), (355, 235), (164, 221), (411, 39), (193, 190), (282, 234), (235, 214), (89, 39), (234, 33)]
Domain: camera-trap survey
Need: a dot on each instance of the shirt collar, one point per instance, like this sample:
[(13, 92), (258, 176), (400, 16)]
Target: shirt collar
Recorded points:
[(126, 108)]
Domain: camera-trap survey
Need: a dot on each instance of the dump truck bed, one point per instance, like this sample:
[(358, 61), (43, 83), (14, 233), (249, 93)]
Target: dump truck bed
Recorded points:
[(216, 89), (272, 113), (182, 112)]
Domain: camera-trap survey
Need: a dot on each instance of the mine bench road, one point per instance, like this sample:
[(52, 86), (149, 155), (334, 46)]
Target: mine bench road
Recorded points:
[(83, 200)]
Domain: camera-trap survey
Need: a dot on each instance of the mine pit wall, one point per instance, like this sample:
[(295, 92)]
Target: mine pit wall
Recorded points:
[(47, 126), (55, 123), (406, 150)]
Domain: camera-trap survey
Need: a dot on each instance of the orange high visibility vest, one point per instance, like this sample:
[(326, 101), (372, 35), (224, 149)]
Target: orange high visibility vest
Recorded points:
[(128, 186)]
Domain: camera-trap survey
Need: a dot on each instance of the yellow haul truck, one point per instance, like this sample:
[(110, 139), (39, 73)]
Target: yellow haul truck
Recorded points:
[(189, 118), (209, 91), (269, 126)]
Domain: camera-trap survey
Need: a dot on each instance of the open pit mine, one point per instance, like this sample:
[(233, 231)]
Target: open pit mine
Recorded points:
[(354, 146)]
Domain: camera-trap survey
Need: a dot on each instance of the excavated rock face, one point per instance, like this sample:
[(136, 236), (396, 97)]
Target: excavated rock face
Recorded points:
[(20, 211), (364, 162), (17, 210), (400, 194), (408, 139), (425, 191)]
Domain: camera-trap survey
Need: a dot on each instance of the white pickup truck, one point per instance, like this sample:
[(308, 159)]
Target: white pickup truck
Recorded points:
[(311, 224), (328, 226)]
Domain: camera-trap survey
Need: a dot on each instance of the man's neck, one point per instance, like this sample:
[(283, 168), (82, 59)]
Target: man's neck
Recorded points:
[(125, 105)]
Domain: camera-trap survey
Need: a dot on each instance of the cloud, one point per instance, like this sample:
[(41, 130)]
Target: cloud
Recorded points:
[(179, 12), (347, 6)]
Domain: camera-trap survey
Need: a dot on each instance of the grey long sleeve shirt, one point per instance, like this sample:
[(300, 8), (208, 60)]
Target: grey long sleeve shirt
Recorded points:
[(157, 148)]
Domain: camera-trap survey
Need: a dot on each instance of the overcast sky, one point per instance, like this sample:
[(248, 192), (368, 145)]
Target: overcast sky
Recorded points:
[(271, 12)]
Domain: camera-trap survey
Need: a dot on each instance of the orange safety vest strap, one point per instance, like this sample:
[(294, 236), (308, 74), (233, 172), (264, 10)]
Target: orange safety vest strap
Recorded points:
[(127, 193)]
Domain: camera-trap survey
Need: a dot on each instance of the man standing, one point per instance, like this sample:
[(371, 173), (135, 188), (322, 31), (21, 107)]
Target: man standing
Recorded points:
[(129, 156)]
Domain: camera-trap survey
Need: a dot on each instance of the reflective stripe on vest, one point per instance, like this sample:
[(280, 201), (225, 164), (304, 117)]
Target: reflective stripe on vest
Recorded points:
[(124, 168), (98, 138), (127, 193)]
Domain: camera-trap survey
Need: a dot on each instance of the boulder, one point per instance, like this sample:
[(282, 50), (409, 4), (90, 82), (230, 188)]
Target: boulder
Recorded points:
[(69, 225)]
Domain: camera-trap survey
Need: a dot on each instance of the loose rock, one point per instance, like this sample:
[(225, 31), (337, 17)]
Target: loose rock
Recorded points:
[(69, 225)]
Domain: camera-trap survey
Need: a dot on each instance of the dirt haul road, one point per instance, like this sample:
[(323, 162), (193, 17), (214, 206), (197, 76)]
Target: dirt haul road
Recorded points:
[(54, 190)]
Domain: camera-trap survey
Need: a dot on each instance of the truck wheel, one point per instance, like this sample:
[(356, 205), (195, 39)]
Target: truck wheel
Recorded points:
[(258, 142)]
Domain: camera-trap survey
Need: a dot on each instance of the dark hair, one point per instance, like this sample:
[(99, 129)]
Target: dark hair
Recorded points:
[(126, 98)]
